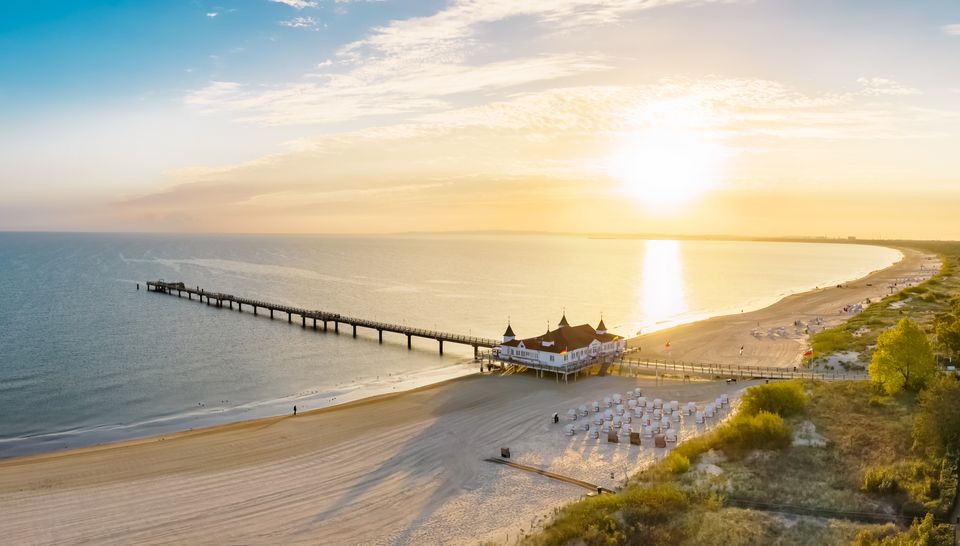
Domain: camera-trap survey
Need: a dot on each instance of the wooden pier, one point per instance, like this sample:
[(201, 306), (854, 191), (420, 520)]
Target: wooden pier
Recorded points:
[(221, 300)]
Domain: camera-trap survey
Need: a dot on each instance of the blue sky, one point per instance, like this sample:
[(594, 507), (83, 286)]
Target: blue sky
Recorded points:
[(120, 111)]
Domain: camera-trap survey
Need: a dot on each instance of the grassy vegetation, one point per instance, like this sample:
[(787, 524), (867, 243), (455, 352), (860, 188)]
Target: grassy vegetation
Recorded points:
[(871, 453)]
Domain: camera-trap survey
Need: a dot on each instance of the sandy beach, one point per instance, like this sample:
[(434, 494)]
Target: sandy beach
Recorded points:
[(397, 469), (405, 468), (718, 339)]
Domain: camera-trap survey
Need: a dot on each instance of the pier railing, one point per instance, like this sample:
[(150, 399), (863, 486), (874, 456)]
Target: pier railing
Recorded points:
[(626, 365), (738, 371)]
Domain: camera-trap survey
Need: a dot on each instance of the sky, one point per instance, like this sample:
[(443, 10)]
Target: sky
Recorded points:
[(710, 117)]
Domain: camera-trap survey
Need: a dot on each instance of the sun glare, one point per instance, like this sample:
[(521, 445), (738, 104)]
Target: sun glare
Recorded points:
[(669, 162)]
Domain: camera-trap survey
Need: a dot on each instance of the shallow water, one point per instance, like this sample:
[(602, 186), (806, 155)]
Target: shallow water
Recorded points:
[(87, 358)]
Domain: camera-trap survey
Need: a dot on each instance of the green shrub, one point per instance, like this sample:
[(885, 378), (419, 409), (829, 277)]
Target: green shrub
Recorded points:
[(677, 463), (694, 447), (881, 480), (830, 341), (610, 519), (784, 399), (923, 532), (746, 433)]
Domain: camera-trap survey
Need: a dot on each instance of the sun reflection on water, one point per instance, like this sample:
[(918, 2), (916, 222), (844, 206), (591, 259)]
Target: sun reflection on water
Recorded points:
[(662, 292)]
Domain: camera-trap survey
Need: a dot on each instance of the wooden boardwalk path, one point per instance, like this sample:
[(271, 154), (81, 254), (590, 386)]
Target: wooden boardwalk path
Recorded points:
[(220, 299), (629, 365), (736, 372), (546, 473)]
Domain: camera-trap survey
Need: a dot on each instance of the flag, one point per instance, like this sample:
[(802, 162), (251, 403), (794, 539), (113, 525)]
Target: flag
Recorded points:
[(808, 353), (564, 351)]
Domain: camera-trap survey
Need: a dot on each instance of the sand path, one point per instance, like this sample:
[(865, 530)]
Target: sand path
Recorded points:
[(718, 339)]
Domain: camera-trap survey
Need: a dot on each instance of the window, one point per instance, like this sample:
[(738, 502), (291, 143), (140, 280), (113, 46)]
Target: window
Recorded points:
[(551, 358)]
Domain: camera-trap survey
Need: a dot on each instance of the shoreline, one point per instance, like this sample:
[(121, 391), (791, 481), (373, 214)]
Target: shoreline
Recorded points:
[(717, 339), (166, 426), (775, 300), (233, 426)]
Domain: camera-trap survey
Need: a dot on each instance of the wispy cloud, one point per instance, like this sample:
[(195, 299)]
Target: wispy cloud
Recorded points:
[(343, 97), (953, 30), (212, 14), (298, 4), (877, 87), (301, 22), (417, 65)]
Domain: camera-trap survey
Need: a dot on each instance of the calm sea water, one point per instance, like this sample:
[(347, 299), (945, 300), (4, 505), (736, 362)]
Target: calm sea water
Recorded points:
[(86, 358)]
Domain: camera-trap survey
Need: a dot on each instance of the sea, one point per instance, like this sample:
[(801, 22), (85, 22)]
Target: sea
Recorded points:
[(86, 357)]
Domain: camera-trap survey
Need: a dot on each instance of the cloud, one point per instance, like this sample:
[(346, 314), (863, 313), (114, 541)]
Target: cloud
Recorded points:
[(212, 14), (341, 97), (298, 4), (419, 64), (952, 30), (301, 22), (878, 87)]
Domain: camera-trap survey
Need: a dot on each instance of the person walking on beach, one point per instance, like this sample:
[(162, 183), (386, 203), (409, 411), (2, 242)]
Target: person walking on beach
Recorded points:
[(294, 411)]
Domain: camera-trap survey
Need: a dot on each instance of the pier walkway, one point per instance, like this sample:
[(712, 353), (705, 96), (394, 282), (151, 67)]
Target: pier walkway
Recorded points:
[(220, 299)]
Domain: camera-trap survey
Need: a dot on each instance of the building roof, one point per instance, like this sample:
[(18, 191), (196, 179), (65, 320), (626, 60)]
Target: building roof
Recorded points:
[(509, 332), (563, 321), (565, 338), (601, 327)]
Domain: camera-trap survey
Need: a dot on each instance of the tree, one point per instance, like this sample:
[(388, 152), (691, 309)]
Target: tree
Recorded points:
[(936, 429), (947, 329), (903, 359)]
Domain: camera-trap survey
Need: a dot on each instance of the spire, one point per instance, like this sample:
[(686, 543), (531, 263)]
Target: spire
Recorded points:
[(509, 335), (601, 328), (563, 319)]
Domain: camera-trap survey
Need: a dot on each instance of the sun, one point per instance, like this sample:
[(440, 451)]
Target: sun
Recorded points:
[(665, 165)]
